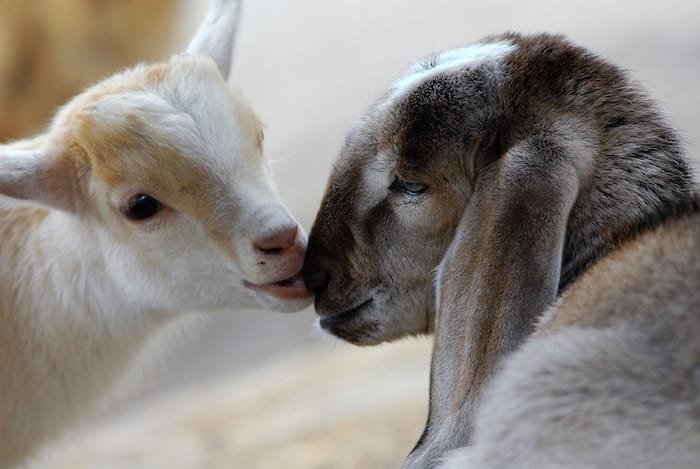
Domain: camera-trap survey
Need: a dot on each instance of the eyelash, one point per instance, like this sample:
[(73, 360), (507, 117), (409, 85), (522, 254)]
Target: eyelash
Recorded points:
[(412, 189)]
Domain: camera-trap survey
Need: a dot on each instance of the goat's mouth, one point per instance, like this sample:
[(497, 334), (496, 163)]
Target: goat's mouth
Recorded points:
[(289, 288), (331, 323)]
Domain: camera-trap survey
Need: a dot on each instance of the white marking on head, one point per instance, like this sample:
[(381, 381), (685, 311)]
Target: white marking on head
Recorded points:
[(448, 61)]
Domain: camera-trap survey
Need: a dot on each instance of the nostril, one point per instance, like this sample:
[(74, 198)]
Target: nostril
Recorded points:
[(277, 241), (317, 282)]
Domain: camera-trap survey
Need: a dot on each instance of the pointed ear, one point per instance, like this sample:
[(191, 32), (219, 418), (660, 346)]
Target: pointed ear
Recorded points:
[(215, 35), (40, 175)]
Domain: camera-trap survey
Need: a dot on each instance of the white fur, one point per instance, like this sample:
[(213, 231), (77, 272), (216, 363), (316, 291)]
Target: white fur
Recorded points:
[(82, 287), (448, 61), (217, 32)]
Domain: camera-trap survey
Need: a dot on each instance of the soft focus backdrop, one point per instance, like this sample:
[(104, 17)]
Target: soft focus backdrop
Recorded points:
[(258, 389)]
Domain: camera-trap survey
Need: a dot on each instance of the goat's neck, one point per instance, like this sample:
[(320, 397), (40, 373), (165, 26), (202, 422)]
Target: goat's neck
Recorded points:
[(66, 327)]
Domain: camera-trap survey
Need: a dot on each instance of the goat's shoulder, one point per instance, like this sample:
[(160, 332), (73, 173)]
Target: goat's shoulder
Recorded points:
[(592, 395)]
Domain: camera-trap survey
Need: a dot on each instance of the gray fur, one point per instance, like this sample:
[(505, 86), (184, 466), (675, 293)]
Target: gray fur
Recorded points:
[(610, 378)]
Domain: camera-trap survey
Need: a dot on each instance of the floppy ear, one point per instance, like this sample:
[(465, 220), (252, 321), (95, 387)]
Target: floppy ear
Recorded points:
[(39, 175), (499, 274), (215, 35)]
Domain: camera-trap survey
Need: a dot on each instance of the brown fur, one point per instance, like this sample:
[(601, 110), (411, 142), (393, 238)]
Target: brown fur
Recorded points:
[(645, 269), (530, 160)]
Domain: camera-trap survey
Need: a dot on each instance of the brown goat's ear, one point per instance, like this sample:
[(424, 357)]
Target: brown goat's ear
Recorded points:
[(40, 175), (502, 269), (215, 36)]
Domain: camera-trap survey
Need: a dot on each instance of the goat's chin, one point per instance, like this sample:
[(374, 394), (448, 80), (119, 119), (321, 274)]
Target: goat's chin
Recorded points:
[(375, 321), (361, 329), (359, 337), (363, 336)]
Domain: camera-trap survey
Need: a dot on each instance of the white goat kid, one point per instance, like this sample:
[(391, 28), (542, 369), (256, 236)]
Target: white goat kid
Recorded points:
[(147, 196)]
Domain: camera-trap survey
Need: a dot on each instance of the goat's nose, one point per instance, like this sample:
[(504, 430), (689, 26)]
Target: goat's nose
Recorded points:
[(277, 241), (316, 282)]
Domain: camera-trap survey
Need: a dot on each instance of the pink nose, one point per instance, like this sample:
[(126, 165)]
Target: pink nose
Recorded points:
[(277, 241)]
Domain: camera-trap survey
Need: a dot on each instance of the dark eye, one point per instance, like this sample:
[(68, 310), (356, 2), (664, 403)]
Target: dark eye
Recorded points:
[(141, 207), (407, 187)]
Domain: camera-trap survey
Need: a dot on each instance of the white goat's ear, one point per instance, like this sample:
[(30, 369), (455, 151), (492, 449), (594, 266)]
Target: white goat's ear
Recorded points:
[(215, 35), (40, 176)]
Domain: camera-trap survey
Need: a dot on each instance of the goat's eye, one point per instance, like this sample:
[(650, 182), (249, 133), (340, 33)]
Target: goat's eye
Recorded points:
[(141, 207), (407, 187)]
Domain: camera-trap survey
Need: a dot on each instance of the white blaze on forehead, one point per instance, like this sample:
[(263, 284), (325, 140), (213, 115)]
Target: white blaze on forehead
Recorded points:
[(448, 61)]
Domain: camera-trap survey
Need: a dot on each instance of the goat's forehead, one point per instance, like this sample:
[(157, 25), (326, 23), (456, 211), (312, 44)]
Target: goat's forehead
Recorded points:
[(175, 126), (203, 93), (395, 130), (187, 91), (448, 61)]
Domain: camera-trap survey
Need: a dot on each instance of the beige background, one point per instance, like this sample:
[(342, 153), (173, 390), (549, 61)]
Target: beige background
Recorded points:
[(261, 389)]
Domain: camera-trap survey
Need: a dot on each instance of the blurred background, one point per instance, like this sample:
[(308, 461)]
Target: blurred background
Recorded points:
[(260, 389)]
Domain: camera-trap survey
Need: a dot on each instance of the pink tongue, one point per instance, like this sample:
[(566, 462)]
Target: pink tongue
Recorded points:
[(295, 282), (290, 288)]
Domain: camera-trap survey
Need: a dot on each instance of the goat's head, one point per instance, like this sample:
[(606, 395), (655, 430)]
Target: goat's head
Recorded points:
[(164, 163), (397, 193)]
